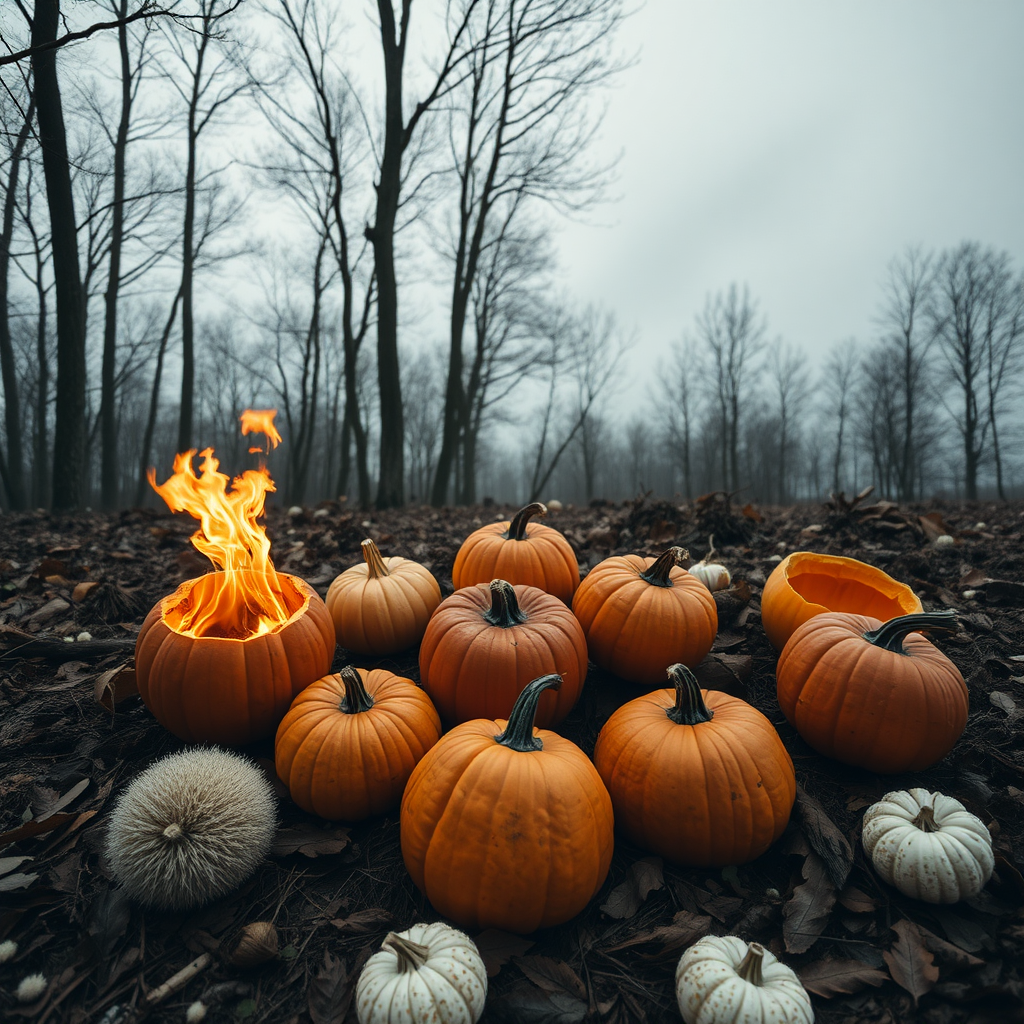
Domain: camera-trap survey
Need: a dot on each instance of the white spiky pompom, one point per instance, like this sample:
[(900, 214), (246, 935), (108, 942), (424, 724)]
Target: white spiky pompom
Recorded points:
[(193, 826), (30, 988), (8, 950), (195, 1012)]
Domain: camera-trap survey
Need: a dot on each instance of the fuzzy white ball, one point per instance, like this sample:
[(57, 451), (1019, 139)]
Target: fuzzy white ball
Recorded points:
[(8, 950), (191, 828), (195, 1012), (30, 988)]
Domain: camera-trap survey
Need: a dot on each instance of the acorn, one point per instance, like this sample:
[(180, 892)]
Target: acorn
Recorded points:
[(257, 945), (190, 828)]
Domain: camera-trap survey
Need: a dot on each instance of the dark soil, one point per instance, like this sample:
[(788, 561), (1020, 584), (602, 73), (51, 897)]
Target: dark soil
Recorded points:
[(334, 891)]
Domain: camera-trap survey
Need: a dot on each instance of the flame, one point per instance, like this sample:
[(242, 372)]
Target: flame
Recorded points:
[(247, 598), (261, 421)]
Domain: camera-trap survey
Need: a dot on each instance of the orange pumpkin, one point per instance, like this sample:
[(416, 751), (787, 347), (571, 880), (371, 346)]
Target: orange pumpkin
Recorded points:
[(697, 777), (521, 552), (875, 695), (382, 606), (211, 689), (485, 643), (349, 742), (507, 826), (640, 615), (805, 584)]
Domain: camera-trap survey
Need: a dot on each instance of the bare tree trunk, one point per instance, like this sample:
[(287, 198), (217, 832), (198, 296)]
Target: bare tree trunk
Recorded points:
[(14, 475), (40, 455), (154, 401), (69, 430), (108, 413)]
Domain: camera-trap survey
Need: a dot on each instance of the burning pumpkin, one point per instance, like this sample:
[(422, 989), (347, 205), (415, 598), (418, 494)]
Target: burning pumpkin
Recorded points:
[(220, 659)]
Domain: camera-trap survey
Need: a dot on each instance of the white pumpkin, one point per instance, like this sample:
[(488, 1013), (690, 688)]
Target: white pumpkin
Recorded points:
[(928, 846), (726, 980), (430, 972), (713, 576)]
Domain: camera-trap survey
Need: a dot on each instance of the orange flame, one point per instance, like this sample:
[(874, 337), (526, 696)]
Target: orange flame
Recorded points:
[(261, 421), (247, 598)]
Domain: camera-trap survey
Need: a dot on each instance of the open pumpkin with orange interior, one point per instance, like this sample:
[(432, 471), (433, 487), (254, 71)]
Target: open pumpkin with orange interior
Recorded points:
[(220, 659), (805, 584)]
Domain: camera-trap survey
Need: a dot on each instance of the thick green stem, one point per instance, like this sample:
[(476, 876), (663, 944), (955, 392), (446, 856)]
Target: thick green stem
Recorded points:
[(374, 561), (356, 698), (658, 575), (689, 708), (504, 610), (517, 528), (518, 732), (411, 955), (750, 967), (890, 634)]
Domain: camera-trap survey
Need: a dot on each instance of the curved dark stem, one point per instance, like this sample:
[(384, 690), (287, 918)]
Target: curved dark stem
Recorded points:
[(356, 698), (411, 955), (658, 574), (518, 733), (376, 567), (504, 610), (890, 634), (689, 708), (517, 528)]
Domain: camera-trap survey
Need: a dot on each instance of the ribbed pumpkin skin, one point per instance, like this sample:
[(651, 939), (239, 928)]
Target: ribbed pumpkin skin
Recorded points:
[(805, 584), (542, 559), (382, 614), (502, 838), (216, 690), (706, 795), (867, 706), (473, 669), (346, 767), (635, 629)]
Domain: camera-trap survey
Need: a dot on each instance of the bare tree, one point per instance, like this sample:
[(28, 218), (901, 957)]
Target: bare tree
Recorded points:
[(733, 332), (680, 386), (839, 380), (787, 369)]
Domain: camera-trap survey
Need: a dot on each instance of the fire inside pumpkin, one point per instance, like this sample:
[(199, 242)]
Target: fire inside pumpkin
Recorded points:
[(221, 658)]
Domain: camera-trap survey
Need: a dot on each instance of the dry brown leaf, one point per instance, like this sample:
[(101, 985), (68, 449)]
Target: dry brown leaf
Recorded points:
[(829, 978), (625, 900), (309, 840), (856, 901), (83, 590), (330, 992), (825, 838), (364, 921), (808, 909), (114, 685), (552, 975), (911, 965), (497, 948), (686, 928)]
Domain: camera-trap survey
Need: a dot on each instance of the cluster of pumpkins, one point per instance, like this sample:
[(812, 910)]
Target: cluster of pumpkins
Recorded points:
[(498, 839)]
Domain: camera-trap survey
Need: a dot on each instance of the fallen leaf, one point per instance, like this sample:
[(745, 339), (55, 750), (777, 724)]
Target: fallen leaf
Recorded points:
[(686, 928), (911, 965), (364, 921), (83, 590), (825, 838), (8, 864), (726, 672), (527, 1004), (807, 911), (309, 840), (552, 975), (114, 685), (829, 978), (330, 992), (644, 877), (34, 828), (933, 525), (16, 881), (856, 901), (497, 948), (108, 918), (49, 808), (1004, 702), (946, 951)]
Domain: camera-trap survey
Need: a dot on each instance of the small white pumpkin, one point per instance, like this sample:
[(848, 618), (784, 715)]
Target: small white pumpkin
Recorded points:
[(928, 846), (711, 574), (726, 980), (428, 973)]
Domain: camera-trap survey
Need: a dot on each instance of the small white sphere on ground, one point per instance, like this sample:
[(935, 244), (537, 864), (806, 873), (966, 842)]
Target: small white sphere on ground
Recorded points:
[(554, 505), (30, 988), (8, 950)]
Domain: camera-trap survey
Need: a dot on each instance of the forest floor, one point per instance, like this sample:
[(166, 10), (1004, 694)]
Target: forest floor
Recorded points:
[(867, 953)]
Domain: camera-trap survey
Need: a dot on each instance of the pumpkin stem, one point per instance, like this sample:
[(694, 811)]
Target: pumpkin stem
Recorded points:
[(174, 832), (658, 574), (374, 560), (411, 955), (890, 634), (504, 610), (356, 698), (750, 967), (689, 708), (517, 528), (925, 820), (518, 732)]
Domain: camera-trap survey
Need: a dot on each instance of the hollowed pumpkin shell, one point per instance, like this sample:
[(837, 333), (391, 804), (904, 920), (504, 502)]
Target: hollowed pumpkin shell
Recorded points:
[(211, 689), (805, 584)]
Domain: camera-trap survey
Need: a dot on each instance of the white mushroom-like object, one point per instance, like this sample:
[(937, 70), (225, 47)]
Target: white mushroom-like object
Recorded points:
[(928, 845)]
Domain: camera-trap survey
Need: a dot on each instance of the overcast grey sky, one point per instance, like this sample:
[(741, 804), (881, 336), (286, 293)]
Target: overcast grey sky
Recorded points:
[(798, 147)]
